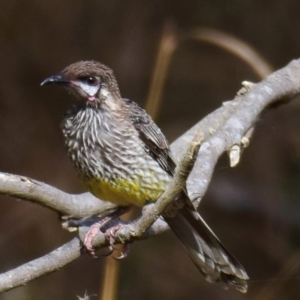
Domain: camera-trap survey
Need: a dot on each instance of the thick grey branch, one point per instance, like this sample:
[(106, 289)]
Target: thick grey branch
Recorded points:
[(40, 266), (71, 250), (25, 188), (227, 125)]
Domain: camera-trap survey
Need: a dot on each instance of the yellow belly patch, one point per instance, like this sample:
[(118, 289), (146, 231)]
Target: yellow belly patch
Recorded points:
[(124, 192)]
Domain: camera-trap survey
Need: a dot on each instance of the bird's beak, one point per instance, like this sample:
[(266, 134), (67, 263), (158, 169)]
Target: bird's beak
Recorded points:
[(56, 79)]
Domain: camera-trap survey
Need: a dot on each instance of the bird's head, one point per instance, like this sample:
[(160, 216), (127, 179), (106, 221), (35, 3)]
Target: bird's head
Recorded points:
[(89, 81)]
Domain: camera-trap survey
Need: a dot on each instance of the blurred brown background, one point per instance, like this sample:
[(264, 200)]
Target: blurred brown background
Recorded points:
[(254, 208)]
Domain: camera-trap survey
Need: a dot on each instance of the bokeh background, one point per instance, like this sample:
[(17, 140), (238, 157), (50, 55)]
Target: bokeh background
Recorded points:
[(253, 208)]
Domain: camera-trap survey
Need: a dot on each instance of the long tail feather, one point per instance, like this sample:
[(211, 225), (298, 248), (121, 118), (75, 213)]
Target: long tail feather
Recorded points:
[(213, 260)]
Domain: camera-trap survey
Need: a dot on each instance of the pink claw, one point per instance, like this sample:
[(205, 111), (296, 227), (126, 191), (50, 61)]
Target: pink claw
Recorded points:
[(110, 233), (124, 252)]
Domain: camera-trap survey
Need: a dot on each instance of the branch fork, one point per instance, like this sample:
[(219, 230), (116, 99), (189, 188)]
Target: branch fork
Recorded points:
[(232, 124)]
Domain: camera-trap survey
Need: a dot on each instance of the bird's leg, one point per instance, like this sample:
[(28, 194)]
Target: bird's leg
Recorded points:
[(96, 227)]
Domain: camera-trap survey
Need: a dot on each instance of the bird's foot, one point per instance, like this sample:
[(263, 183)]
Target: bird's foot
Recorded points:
[(96, 227), (90, 235)]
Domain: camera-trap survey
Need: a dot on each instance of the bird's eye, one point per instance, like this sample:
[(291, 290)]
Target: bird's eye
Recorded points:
[(92, 80)]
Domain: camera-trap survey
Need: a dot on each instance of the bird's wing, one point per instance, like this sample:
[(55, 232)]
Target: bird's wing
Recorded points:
[(155, 142), (213, 260)]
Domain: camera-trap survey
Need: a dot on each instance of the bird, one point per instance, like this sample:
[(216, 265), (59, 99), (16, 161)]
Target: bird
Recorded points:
[(123, 157)]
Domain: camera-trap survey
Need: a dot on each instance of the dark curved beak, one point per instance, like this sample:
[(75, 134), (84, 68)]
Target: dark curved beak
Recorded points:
[(56, 79)]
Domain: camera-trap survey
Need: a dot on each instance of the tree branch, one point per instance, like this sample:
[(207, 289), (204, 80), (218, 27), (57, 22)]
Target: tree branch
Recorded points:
[(71, 250), (25, 188), (222, 129), (40, 266)]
